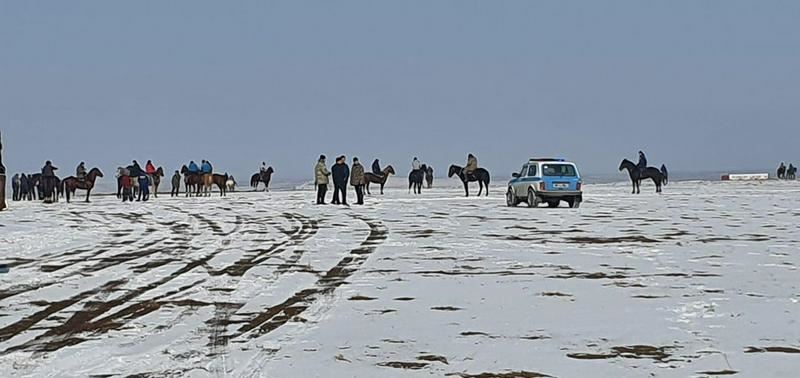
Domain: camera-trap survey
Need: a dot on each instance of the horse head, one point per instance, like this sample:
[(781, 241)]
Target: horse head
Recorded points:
[(160, 171), (184, 169), (626, 164), (454, 170), (95, 172), (270, 170), (389, 170)]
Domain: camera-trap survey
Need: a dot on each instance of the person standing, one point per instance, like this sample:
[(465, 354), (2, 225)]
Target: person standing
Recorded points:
[(357, 180), (2, 178), (176, 184), (15, 187), (321, 174), (144, 189), (340, 172)]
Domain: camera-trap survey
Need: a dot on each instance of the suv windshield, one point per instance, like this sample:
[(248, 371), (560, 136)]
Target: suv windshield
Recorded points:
[(559, 170)]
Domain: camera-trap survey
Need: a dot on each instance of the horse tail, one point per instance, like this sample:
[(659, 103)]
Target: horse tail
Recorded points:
[(665, 173)]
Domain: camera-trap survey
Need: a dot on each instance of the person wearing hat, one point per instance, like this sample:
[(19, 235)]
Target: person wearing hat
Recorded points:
[(321, 174), (357, 180)]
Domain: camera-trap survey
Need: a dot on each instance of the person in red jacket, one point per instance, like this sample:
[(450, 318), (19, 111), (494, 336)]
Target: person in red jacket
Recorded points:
[(150, 169), (127, 188)]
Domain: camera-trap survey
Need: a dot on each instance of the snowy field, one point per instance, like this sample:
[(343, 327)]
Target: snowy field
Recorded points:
[(699, 281)]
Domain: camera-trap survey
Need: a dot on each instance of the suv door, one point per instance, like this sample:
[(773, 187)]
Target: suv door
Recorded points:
[(520, 189)]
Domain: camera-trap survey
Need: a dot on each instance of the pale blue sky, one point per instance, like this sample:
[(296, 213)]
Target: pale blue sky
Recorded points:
[(699, 85)]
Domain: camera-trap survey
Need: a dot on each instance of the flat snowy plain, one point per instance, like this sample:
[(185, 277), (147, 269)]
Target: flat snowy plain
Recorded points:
[(699, 281)]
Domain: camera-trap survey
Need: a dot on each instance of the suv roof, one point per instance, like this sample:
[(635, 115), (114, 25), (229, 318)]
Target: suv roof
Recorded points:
[(531, 160)]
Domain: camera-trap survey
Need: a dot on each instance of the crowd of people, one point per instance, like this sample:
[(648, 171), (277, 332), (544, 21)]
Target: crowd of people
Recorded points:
[(340, 172), (787, 173)]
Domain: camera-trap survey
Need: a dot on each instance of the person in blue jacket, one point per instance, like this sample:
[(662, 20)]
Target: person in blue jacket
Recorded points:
[(193, 169), (207, 169)]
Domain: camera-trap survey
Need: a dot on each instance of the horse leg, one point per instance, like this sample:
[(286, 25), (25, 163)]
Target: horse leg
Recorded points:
[(382, 187), (466, 189), (367, 187), (88, 192)]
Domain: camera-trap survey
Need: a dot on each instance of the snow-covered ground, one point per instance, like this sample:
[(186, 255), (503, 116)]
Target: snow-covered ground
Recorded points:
[(701, 280)]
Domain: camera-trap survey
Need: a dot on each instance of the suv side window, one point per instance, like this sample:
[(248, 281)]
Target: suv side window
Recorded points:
[(522, 172), (532, 170)]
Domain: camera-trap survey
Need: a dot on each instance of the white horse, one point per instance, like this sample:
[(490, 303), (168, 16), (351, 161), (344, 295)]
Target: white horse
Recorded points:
[(231, 184)]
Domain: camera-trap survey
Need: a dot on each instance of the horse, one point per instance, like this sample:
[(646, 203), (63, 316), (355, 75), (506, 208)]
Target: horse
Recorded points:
[(207, 184), (791, 173), (659, 177), (429, 176), (781, 172), (155, 180), (192, 181), (415, 179), (221, 182), (48, 187), (370, 177), (260, 177), (70, 184), (480, 175), (231, 184)]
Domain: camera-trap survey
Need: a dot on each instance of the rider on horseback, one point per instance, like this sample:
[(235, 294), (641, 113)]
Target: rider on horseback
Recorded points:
[(206, 167), (48, 170), (642, 165), (80, 172), (150, 169), (472, 165), (376, 168), (193, 169), (416, 165)]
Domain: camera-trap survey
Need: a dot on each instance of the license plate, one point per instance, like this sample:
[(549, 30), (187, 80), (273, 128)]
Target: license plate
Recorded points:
[(561, 185)]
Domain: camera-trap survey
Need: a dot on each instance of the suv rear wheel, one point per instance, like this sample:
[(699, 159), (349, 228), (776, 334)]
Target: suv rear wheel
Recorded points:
[(532, 200)]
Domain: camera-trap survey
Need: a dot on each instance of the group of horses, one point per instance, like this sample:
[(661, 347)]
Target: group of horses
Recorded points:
[(789, 173), (51, 189), (425, 174), (201, 184)]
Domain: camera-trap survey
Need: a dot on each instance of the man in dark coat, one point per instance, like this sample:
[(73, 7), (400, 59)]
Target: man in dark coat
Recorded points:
[(642, 165), (136, 170), (340, 172), (376, 168)]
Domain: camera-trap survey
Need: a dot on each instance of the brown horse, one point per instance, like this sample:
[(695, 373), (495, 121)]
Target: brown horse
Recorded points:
[(193, 181), (156, 180), (70, 184), (221, 182), (370, 177), (208, 183)]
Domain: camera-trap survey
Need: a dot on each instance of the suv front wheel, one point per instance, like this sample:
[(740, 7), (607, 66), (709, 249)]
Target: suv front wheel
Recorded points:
[(511, 198)]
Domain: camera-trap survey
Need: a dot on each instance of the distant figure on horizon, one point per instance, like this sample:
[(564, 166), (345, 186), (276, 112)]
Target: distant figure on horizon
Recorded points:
[(357, 180), (376, 168), (321, 174)]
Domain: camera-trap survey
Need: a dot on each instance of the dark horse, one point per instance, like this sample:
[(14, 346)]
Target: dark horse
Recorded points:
[(70, 184), (659, 177), (266, 177), (221, 182), (480, 175), (193, 181), (415, 179), (156, 180), (429, 176), (48, 187), (370, 177), (791, 173)]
